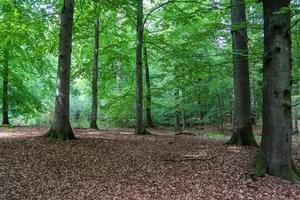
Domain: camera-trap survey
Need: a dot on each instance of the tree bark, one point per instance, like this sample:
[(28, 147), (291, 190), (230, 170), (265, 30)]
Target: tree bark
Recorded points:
[(139, 127), (177, 111), (5, 119), (275, 155), (93, 123), (61, 128), (148, 91), (221, 114), (242, 130)]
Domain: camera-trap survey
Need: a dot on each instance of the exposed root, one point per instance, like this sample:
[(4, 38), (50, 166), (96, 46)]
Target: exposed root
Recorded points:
[(60, 135)]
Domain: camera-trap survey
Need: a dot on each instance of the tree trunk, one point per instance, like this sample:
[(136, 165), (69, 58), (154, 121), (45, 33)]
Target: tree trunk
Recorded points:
[(275, 155), (242, 130), (5, 119), (93, 123), (61, 128), (148, 91), (177, 111), (221, 115), (139, 128)]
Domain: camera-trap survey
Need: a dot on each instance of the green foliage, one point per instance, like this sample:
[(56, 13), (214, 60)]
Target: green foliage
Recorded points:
[(189, 44)]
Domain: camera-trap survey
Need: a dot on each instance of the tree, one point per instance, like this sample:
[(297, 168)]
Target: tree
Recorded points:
[(148, 91), (5, 119), (61, 127), (139, 129), (275, 155), (242, 129), (93, 123)]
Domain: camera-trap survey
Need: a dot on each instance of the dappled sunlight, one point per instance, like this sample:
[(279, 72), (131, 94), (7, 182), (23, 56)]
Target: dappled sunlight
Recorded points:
[(21, 132)]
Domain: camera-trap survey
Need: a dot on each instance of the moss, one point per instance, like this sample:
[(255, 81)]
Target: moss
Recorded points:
[(62, 135), (240, 140), (292, 174), (259, 167), (214, 135)]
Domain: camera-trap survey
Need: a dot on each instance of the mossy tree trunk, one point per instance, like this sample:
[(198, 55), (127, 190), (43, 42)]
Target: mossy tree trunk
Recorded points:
[(93, 123), (5, 119), (61, 128), (242, 129), (275, 155)]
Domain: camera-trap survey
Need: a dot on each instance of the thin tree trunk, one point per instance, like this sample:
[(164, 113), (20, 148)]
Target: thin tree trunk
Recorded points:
[(148, 91), (275, 155), (61, 128), (242, 130), (221, 118), (139, 128), (183, 118), (93, 123), (177, 111), (5, 119)]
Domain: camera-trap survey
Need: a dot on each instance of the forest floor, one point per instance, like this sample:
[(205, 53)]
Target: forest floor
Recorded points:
[(115, 164)]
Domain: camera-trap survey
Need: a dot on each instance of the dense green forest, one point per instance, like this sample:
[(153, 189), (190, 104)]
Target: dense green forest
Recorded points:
[(179, 65)]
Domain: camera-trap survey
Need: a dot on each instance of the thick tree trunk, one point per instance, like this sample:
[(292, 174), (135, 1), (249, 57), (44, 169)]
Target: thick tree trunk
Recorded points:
[(61, 128), (275, 155), (5, 119), (139, 127), (148, 91), (93, 123), (242, 130)]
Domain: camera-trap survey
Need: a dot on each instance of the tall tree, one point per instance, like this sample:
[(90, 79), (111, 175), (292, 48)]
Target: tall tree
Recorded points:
[(61, 127), (93, 123), (148, 91), (139, 127), (242, 129), (5, 119), (275, 155)]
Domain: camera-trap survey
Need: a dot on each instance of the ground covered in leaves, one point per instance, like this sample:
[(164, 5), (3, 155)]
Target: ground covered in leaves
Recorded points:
[(115, 164)]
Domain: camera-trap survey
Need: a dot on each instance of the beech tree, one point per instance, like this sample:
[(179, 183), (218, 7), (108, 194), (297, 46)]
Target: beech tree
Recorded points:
[(242, 129), (139, 127), (93, 123), (275, 154), (148, 91), (5, 119), (61, 127)]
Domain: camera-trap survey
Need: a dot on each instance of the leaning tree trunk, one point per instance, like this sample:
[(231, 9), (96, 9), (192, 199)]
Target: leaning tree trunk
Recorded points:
[(5, 120), (139, 128), (93, 123), (275, 155), (242, 130), (61, 128), (148, 91)]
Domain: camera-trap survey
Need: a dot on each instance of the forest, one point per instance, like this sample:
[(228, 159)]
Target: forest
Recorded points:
[(150, 99)]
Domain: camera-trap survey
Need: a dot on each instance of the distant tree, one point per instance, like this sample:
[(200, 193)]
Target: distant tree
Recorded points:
[(148, 91), (275, 155), (5, 119), (61, 128), (242, 129)]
